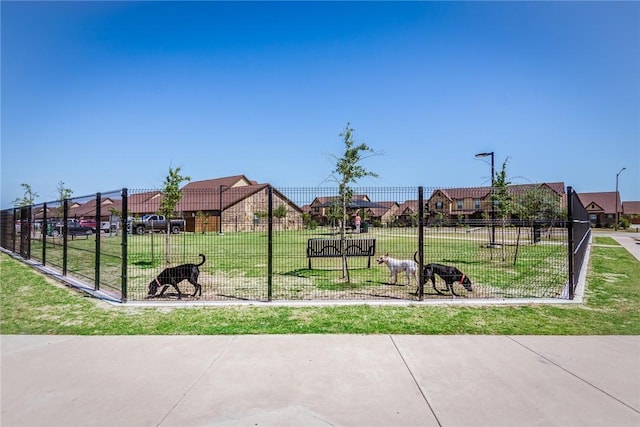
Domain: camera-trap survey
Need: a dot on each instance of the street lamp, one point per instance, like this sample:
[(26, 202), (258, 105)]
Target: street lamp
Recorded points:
[(617, 216), (493, 205)]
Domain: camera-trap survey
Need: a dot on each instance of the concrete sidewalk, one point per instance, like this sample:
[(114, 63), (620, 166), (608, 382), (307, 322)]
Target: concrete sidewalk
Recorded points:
[(320, 380), (629, 241)]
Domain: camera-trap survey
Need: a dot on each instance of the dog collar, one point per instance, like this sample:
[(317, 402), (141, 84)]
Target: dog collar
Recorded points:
[(158, 282), (461, 279)]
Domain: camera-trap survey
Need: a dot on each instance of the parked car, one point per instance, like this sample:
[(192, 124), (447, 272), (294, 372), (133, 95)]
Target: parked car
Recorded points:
[(91, 223), (106, 226), (74, 228)]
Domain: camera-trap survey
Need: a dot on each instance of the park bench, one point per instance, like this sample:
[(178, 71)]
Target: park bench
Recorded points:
[(330, 248)]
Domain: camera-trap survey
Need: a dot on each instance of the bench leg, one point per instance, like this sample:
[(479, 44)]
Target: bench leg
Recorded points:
[(369, 262), (309, 263)]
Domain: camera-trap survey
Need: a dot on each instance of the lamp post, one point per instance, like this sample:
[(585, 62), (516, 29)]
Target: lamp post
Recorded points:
[(616, 216), (493, 205)]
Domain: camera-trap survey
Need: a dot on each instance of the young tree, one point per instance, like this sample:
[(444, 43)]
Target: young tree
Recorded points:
[(281, 213), (27, 199), (503, 200), (171, 195), (347, 172), (63, 194)]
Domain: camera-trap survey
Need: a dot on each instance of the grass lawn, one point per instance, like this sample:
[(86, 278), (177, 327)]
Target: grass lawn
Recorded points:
[(34, 304), (236, 266)]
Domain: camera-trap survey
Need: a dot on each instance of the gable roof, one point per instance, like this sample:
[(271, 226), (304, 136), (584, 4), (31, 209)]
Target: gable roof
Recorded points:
[(484, 192), (228, 182), (206, 199), (604, 201), (407, 208), (326, 200), (386, 207), (631, 208), (144, 202)]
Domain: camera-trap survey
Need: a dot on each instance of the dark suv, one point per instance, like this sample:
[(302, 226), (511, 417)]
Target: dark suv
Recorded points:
[(73, 229)]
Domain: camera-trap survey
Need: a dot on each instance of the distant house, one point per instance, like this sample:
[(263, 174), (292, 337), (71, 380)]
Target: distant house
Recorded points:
[(141, 203), (407, 213), (235, 203), (320, 206), (386, 214), (88, 209), (601, 207), (631, 211), (374, 212), (475, 202)]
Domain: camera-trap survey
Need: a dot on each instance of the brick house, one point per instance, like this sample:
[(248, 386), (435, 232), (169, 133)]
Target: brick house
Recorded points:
[(240, 202), (407, 213), (601, 207), (631, 211), (319, 207), (474, 202)]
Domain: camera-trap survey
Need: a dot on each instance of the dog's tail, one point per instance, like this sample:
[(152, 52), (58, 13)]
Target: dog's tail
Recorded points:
[(203, 260), (415, 257)]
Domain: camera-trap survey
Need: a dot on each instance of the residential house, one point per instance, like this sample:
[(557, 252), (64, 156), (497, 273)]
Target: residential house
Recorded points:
[(631, 211), (406, 214), (373, 212), (385, 214), (87, 210), (242, 204), (461, 204), (601, 207)]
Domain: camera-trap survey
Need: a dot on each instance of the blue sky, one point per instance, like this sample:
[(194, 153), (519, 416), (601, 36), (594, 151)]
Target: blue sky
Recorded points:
[(105, 95)]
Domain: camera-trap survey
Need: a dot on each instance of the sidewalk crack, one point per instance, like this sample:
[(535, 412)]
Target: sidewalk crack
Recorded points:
[(574, 375), (415, 380), (196, 381)]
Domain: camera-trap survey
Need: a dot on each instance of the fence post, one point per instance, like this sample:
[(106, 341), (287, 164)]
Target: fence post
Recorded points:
[(420, 243), (125, 231), (98, 230), (570, 242), (65, 233), (25, 231), (43, 231), (14, 235), (270, 245)]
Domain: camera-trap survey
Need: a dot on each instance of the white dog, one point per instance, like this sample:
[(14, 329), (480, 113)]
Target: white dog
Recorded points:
[(398, 265)]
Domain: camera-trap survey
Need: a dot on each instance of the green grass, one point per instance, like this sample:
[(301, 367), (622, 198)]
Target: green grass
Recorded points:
[(34, 304), (237, 263)]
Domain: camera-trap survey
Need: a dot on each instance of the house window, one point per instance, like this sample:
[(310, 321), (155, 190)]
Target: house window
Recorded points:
[(459, 204), (477, 203), (438, 205)]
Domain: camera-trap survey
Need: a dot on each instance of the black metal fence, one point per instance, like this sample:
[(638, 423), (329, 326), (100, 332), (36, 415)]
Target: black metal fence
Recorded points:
[(579, 234), (257, 243)]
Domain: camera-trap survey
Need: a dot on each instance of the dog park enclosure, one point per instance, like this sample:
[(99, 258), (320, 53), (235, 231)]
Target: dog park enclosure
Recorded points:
[(260, 251)]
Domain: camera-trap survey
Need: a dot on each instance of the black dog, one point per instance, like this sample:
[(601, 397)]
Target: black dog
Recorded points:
[(448, 273), (174, 275)]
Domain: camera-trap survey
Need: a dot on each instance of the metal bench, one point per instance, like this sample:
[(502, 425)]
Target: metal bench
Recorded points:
[(330, 248)]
